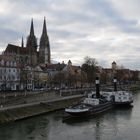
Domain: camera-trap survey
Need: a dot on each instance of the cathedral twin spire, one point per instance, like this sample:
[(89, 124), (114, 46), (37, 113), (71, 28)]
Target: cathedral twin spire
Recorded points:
[(44, 47), (32, 28), (31, 40), (44, 50), (44, 27)]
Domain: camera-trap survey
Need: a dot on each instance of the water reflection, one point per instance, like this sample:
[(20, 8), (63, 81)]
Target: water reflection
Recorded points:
[(104, 126), (121, 123), (27, 129)]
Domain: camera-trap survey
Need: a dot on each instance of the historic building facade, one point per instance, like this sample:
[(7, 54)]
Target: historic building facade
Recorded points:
[(29, 55), (9, 74)]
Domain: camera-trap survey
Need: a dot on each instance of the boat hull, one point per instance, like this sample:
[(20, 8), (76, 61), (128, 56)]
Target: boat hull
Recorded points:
[(126, 103), (92, 111)]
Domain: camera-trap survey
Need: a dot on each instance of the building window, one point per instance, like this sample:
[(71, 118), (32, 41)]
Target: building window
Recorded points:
[(7, 63), (11, 63)]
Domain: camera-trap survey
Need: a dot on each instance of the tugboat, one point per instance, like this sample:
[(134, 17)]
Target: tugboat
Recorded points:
[(119, 98), (90, 105)]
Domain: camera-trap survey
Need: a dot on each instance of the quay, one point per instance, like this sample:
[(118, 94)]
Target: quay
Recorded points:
[(16, 106), (22, 106)]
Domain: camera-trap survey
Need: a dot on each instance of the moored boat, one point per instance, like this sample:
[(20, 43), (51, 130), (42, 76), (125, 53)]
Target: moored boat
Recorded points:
[(90, 105), (118, 97)]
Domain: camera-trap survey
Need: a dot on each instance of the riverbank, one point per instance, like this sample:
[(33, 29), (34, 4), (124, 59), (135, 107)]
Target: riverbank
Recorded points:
[(134, 87), (24, 111), (19, 106)]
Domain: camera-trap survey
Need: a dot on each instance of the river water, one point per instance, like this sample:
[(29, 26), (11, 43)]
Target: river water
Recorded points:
[(116, 124)]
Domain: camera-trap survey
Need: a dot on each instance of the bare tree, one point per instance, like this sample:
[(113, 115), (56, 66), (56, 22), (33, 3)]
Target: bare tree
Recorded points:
[(90, 61), (89, 66)]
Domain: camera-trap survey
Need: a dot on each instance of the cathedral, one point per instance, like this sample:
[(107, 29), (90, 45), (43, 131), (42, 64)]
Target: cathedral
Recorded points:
[(33, 53)]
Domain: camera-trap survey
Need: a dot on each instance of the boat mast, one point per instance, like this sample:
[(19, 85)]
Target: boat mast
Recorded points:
[(97, 84), (115, 83)]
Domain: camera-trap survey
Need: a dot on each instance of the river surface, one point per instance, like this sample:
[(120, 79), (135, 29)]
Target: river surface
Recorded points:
[(116, 124)]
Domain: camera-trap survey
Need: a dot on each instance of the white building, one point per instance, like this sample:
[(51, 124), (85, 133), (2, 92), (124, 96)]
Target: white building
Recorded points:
[(9, 74)]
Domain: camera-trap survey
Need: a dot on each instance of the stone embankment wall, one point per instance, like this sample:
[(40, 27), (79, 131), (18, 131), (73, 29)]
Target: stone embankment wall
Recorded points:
[(44, 106), (7, 99)]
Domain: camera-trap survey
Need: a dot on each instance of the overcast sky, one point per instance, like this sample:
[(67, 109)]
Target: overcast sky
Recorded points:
[(108, 30)]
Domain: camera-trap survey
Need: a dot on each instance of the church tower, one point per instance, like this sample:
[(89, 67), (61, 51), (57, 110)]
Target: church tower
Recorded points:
[(32, 45), (31, 39), (44, 50)]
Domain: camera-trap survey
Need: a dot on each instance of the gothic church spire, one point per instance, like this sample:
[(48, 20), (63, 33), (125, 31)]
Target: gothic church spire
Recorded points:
[(31, 40), (32, 45), (44, 50), (32, 28), (44, 27)]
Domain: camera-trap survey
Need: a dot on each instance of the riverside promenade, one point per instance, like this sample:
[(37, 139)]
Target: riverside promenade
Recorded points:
[(8, 100), (24, 98), (16, 106), (56, 99)]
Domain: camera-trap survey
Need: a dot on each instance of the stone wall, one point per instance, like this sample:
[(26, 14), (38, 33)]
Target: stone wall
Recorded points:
[(42, 108), (28, 97)]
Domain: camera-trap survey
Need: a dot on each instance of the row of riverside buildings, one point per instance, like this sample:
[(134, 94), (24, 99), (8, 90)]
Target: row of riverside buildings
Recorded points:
[(29, 67)]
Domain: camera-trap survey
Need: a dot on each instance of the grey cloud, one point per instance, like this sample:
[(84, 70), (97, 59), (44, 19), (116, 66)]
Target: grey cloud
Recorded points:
[(69, 25), (108, 11)]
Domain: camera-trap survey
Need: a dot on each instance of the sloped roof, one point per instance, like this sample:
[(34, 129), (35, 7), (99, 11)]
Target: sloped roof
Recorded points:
[(15, 49), (55, 66), (72, 69), (11, 48)]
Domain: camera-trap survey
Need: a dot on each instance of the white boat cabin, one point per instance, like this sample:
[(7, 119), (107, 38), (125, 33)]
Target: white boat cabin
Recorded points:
[(91, 101)]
